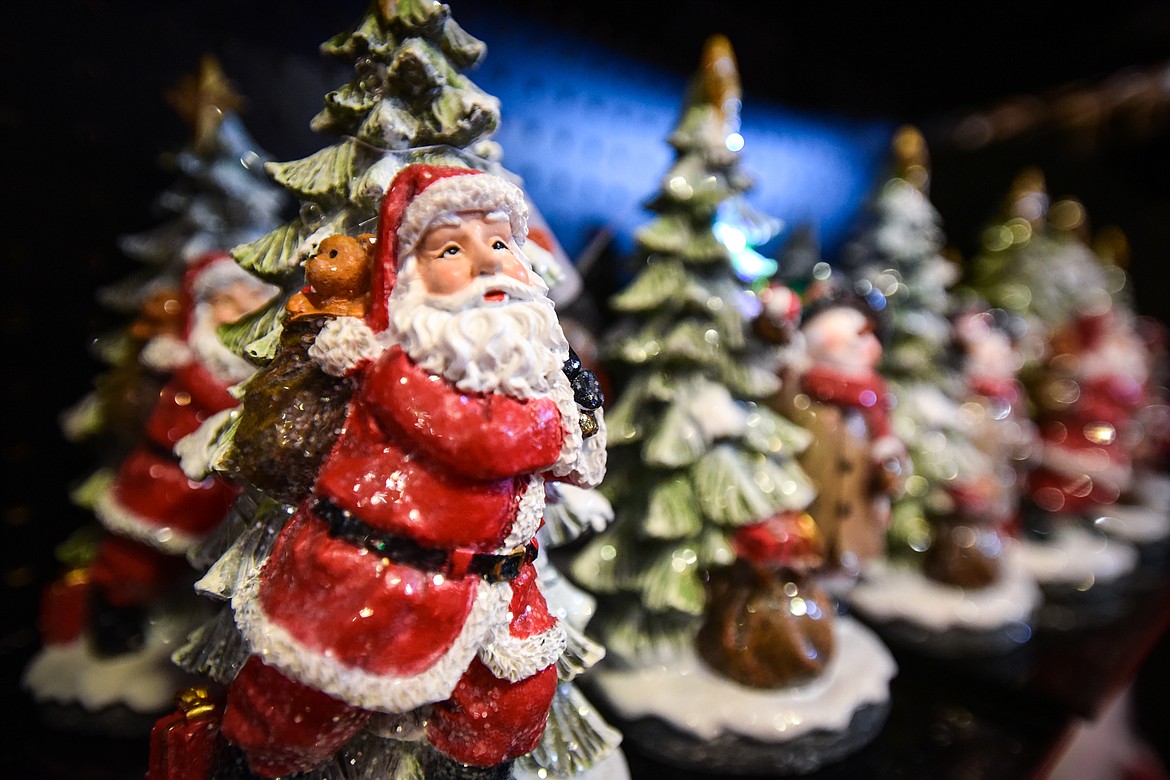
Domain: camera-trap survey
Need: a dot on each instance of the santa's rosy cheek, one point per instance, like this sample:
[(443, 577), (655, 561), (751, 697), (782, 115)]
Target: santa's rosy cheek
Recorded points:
[(516, 270)]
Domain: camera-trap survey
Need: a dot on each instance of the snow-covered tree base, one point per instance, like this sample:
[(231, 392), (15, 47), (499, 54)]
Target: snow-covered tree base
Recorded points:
[(612, 768), (684, 714), (1137, 524), (1086, 577), (142, 681), (1075, 557), (1146, 525), (1152, 488), (912, 610)]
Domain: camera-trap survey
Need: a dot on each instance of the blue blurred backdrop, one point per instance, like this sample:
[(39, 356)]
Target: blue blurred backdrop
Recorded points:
[(586, 128)]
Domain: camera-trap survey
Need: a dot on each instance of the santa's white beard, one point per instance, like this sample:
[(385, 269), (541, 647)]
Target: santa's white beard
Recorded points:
[(209, 351), (515, 347)]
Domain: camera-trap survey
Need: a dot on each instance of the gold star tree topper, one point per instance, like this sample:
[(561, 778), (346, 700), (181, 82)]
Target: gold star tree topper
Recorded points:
[(203, 99)]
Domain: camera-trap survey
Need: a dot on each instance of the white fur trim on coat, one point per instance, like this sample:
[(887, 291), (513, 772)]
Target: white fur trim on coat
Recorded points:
[(455, 194), (890, 448), (581, 461), (345, 343), (165, 353), (369, 690), (528, 516), (121, 520), (514, 658), (589, 469), (1096, 463)]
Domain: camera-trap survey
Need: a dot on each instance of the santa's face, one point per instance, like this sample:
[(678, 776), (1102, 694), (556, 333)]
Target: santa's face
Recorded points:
[(455, 252), (989, 351), (231, 301), (219, 306), (485, 329), (843, 338)]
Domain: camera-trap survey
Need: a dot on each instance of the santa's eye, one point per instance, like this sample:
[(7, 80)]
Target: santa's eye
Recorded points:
[(499, 244), (450, 250)]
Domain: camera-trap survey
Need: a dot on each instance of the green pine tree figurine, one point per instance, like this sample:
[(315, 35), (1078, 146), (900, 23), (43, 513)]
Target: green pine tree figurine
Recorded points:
[(942, 525), (898, 259), (1086, 373), (693, 456), (707, 603), (222, 197), (408, 101)]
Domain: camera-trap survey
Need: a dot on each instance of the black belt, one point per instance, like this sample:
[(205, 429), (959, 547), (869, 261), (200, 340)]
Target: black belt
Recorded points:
[(344, 524)]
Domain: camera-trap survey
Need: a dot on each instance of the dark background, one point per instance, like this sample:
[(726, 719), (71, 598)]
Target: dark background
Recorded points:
[(1084, 94)]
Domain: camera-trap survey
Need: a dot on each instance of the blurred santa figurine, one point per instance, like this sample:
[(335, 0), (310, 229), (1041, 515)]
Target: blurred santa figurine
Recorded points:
[(154, 513), (151, 512), (401, 599), (856, 461), (986, 340), (1088, 405)]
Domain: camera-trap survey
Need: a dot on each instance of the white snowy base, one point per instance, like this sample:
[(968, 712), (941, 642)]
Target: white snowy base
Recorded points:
[(889, 591), (1153, 488), (143, 681), (1136, 523), (614, 767), (1075, 557), (837, 584), (694, 700)]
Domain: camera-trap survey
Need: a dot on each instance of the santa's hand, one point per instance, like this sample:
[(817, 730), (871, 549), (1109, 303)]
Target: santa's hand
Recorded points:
[(344, 345), (165, 353)]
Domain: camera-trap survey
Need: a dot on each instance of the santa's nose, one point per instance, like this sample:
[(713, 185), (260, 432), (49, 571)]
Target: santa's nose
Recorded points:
[(486, 260)]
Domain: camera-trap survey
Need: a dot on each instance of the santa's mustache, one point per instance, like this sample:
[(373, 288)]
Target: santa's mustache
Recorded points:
[(492, 289)]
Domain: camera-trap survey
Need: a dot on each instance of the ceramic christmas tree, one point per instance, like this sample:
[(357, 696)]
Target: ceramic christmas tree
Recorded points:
[(220, 198), (1036, 263), (706, 603), (951, 583), (110, 622), (409, 101)]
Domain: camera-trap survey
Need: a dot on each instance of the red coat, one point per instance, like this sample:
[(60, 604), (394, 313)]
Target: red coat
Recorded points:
[(151, 499), (1086, 460), (446, 469)]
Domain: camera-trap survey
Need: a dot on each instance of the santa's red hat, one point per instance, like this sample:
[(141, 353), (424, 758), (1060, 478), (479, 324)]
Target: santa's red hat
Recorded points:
[(781, 305), (418, 196), (207, 273)]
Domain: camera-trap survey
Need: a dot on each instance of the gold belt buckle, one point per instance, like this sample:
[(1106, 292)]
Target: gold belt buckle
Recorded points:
[(513, 561)]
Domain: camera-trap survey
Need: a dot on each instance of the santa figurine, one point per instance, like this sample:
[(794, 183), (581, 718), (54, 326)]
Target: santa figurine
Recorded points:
[(1087, 398), (856, 461), (401, 599), (1088, 402), (108, 638), (990, 362)]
